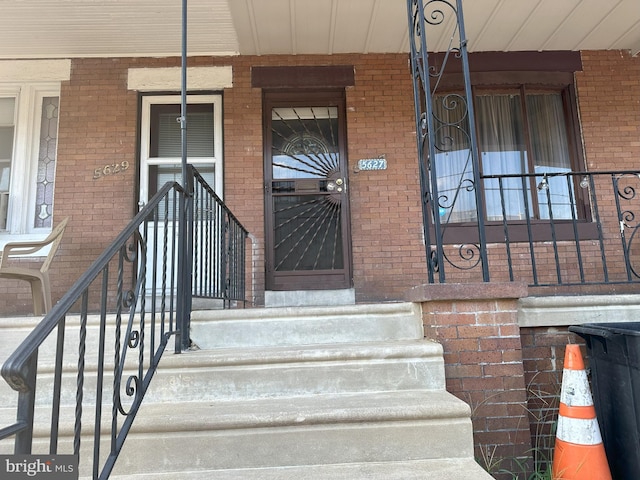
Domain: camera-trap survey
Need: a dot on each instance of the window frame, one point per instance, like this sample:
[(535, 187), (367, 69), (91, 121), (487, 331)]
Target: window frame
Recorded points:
[(24, 162), (145, 183), (528, 82)]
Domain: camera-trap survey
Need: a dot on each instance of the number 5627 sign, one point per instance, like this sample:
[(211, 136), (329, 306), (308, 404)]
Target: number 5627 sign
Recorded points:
[(372, 164)]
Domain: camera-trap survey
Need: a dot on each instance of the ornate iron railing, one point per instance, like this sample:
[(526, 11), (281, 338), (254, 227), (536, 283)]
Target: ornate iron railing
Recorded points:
[(570, 227), (124, 310), (439, 25), (575, 228)]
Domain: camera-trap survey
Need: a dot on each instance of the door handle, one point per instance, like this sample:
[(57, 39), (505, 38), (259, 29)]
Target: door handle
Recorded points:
[(337, 185)]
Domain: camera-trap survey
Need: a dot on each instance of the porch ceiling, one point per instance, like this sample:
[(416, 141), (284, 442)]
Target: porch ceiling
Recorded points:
[(103, 28)]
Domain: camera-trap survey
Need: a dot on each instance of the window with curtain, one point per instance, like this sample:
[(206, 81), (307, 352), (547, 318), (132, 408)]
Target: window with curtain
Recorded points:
[(519, 131)]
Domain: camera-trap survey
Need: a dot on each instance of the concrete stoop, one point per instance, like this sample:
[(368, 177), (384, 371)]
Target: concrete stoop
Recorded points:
[(342, 392), (345, 392)]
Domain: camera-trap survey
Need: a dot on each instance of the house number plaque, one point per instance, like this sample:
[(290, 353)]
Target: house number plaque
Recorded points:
[(110, 169), (372, 164)]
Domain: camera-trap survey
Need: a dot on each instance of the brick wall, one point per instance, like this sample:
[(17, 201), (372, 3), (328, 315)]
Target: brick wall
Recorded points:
[(386, 214), (609, 101), (98, 122), (477, 327)]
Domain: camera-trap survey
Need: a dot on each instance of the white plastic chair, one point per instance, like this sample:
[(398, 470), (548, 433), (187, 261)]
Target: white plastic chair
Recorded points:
[(38, 278)]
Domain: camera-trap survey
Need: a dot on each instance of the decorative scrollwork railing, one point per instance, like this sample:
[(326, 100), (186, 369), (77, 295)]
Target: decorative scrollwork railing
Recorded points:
[(626, 185), (481, 227), (584, 230), (444, 124), (123, 322)]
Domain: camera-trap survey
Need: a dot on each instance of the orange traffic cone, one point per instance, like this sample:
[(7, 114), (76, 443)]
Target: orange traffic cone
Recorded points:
[(579, 452)]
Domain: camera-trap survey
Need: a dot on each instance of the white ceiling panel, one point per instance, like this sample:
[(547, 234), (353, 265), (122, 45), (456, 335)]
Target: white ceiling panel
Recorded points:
[(579, 24), (245, 27), (619, 20), (353, 20), (478, 16), (273, 21), (390, 29), (503, 26), (629, 40), (103, 28), (313, 26), (542, 24)]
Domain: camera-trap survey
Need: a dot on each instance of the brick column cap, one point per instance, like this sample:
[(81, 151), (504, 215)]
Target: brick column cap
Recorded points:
[(467, 291)]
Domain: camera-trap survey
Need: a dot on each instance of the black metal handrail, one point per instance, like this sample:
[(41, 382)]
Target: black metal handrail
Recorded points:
[(219, 247), (123, 325), (573, 228)]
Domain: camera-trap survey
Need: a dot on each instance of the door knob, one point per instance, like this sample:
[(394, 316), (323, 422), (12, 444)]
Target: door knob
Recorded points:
[(335, 185)]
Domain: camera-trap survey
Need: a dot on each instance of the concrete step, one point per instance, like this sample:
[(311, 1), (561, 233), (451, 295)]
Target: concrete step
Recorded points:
[(15, 330), (431, 469), (225, 374), (283, 432), (320, 429), (268, 327), (306, 325)]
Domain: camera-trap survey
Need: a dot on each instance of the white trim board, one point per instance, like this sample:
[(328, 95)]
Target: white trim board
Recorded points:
[(167, 79), (23, 71)]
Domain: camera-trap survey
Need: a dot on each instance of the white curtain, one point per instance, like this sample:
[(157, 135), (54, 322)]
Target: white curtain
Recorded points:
[(503, 151), (456, 194), (550, 148)]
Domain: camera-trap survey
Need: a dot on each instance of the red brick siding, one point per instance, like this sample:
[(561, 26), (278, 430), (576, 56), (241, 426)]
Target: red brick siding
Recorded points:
[(98, 122), (386, 224), (609, 101), (483, 366)]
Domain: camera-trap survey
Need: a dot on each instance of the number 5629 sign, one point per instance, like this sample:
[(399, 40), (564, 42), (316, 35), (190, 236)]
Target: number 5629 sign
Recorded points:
[(110, 169)]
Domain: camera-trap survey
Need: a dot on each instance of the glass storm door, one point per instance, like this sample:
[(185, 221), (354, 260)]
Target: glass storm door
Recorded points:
[(307, 210), (161, 148)]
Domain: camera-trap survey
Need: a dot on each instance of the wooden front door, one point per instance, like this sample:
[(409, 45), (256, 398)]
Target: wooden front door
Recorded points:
[(308, 244)]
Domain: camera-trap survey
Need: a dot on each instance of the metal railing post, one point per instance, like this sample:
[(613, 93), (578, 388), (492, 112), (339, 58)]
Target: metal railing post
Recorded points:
[(437, 134), (26, 407), (185, 265)]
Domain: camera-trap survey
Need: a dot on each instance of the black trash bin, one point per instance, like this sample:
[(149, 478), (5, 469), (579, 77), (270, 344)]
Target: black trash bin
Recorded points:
[(614, 359)]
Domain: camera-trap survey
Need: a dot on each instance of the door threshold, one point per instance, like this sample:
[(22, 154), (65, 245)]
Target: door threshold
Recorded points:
[(307, 298)]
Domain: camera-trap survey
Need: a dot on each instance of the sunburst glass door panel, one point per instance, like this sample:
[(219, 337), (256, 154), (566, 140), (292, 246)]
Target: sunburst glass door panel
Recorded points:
[(307, 186)]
